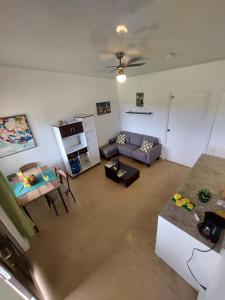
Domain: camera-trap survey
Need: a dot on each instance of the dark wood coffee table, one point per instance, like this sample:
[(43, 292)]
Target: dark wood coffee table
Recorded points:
[(130, 174)]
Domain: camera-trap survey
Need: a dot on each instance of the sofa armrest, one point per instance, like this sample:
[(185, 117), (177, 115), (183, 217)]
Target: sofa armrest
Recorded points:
[(113, 140), (153, 153)]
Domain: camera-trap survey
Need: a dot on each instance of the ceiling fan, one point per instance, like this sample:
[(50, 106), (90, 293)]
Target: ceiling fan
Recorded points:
[(132, 62)]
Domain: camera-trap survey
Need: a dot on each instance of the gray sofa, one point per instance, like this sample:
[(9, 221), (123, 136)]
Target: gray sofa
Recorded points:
[(131, 148)]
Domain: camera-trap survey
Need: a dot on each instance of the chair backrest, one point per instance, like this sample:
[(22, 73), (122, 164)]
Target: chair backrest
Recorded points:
[(29, 166), (62, 176), (56, 168)]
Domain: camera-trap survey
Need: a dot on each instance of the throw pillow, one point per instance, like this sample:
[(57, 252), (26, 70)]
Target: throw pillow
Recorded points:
[(121, 138), (146, 145)]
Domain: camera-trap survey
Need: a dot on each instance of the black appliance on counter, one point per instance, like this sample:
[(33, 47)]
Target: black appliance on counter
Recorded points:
[(211, 227)]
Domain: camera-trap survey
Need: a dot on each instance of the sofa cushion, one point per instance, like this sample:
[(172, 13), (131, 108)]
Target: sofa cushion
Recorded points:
[(127, 136), (146, 146), (150, 139), (139, 155), (136, 139), (108, 151), (121, 139), (126, 149)]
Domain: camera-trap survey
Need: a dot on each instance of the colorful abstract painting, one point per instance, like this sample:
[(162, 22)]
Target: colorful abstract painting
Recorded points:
[(15, 135)]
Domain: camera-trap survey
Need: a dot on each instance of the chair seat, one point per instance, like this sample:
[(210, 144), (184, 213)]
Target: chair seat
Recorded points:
[(55, 194)]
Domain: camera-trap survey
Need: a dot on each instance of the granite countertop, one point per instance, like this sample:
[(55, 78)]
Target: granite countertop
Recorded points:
[(208, 172)]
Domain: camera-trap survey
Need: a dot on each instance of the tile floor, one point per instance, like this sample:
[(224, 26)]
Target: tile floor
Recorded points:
[(104, 248)]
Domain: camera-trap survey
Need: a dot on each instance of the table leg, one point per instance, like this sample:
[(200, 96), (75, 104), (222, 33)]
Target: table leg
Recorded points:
[(29, 216)]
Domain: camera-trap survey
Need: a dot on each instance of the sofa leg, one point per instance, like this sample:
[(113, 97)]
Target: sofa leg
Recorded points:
[(148, 165), (158, 158)]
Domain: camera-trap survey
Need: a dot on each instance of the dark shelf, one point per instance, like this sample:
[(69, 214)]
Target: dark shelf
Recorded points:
[(139, 112)]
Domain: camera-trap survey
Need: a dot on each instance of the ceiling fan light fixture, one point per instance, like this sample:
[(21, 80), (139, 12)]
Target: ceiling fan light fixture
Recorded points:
[(121, 77), (121, 29)]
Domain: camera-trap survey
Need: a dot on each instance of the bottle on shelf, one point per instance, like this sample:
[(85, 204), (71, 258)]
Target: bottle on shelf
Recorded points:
[(75, 164)]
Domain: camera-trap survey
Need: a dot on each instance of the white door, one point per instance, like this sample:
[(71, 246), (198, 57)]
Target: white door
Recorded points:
[(217, 141), (187, 127)]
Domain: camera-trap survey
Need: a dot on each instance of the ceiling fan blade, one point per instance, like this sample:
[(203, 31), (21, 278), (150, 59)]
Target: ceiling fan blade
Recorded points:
[(107, 70), (134, 59), (111, 67), (113, 70), (135, 65)]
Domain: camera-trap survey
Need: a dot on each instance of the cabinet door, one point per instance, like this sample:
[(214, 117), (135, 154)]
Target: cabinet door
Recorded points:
[(65, 131), (71, 129), (93, 150), (77, 127)]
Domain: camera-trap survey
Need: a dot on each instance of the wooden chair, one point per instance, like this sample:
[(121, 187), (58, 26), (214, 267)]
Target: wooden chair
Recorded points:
[(64, 189), (29, 166)]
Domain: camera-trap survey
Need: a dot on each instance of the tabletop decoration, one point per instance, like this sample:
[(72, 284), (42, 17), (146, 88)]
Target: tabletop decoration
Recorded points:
[(204, 195), (30, 180), (27, 180), (44, 176), (183, 202)]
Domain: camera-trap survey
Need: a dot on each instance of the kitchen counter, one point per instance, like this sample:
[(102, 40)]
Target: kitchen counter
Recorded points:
[(208, 172)]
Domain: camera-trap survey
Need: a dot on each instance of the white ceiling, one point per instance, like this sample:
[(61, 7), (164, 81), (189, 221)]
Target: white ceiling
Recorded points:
[(79, 36)]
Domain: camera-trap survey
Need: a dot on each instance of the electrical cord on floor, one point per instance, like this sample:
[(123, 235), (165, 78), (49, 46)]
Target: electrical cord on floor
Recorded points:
[(193, 250)]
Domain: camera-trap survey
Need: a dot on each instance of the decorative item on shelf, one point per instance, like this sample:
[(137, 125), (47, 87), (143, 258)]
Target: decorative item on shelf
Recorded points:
[(75, 164), (15, 135), (204, 195), (183, 202), (140, 99), (103, 107), (60, 122)]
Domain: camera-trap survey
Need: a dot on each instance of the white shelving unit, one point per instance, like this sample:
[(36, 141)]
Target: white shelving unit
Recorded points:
[(78, 138)]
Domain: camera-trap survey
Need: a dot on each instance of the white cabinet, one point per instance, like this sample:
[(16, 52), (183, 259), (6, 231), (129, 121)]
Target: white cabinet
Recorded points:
[(88, 124), (78, 139), (92, 146), (175, 246)]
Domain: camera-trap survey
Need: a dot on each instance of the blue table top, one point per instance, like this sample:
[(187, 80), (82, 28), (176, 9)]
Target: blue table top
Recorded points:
[(20, 190)]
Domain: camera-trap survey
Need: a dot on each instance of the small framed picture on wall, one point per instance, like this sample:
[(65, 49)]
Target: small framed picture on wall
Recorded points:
[(140, 99), (103, 107)]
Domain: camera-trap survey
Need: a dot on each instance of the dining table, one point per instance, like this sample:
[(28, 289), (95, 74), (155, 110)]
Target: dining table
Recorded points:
[(47, 181)]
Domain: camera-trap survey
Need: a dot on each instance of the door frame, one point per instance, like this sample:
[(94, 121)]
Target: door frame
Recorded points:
[(208, 94), (26, 286)]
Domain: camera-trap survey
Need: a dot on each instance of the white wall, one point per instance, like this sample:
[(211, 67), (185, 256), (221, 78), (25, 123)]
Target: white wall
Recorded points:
[(217, 141), (46, 97), (209, 77), (50, 96)]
